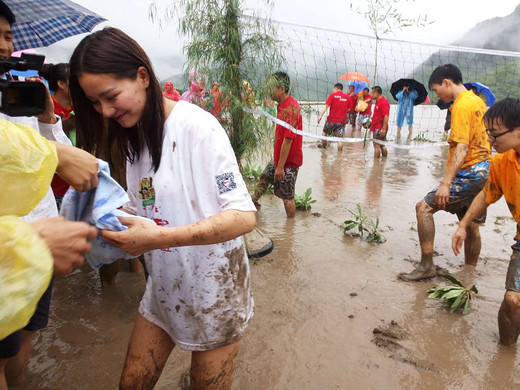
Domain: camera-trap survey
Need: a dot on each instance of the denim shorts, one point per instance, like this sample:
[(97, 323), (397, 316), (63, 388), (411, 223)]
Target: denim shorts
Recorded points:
[(463, 189)]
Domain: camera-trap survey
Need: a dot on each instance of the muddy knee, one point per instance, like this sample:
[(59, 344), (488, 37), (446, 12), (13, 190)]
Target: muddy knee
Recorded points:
[(511, 303), (422, 208)]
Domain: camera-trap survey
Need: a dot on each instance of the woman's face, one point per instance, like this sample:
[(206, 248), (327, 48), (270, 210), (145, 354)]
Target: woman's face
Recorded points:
[(122, 99)]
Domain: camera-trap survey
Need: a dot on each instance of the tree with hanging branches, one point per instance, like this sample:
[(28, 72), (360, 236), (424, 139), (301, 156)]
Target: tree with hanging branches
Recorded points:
[(232, 48)]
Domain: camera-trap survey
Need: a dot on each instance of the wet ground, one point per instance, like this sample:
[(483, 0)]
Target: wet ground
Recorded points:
[(319, 295)]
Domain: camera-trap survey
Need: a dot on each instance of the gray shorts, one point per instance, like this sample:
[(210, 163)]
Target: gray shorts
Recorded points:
[(283, 189), (513, 271)]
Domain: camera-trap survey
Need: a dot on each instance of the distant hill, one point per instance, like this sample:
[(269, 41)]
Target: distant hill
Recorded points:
[(500, 73), (501, 33)]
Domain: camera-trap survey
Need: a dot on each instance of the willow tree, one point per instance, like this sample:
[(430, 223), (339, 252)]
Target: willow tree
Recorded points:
[(231, 48)]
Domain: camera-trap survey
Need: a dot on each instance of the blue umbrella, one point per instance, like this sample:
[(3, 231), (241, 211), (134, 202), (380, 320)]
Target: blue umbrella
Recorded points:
[(484, 89), (358, 85), (44, 22)]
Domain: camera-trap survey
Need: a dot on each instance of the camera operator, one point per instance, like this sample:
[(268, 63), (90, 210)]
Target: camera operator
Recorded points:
[(66, 240)]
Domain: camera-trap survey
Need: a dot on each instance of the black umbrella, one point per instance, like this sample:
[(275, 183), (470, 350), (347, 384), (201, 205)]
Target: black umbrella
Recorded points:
[(443, 105), (413, 84)]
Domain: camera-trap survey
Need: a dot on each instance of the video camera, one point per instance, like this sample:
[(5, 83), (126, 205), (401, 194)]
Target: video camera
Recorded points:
[(22, 98)]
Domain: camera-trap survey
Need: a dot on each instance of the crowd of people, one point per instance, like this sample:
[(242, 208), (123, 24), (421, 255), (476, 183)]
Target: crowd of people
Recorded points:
[(183, 179)]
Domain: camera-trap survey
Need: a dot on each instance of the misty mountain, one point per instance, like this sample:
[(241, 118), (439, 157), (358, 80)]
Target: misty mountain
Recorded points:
[(501, 33)]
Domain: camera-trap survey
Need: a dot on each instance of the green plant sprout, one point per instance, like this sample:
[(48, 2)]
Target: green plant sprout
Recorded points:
[(251, 174), (305, 201), (364, 225), (457, 296)]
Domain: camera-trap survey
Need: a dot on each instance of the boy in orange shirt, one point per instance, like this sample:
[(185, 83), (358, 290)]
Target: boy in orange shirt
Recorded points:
[(467, 170), (502, 122)]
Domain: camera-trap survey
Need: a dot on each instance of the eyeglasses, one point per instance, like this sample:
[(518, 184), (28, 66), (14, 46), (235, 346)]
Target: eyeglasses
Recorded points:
[(495, 136)]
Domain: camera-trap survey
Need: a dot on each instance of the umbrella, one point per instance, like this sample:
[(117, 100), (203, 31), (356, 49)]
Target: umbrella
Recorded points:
[(443, 105), (44, 22), (413, 84), (354, 76), (358, 85), (483, 89)]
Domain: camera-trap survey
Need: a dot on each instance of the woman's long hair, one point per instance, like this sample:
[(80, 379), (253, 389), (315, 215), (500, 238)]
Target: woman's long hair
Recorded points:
[(54, 73), (111, 51)]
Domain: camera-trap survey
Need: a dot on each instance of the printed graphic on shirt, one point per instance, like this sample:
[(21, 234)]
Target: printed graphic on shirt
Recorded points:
[(146, 191), (226, 182)]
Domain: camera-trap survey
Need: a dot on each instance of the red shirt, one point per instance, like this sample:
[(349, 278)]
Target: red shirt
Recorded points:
[(381, 109), (338, 103), (61, 111), (368, 111), (60, 186), (289, 111), (352, 97)]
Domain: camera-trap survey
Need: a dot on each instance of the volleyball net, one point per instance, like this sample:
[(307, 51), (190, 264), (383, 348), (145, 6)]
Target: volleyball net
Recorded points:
[(316, 58)]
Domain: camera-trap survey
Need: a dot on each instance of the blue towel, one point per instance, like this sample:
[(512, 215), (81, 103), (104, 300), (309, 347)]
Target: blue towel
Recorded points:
[(99, 207)]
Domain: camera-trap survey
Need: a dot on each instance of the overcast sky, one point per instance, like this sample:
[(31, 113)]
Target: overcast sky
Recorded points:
[(452, 18)]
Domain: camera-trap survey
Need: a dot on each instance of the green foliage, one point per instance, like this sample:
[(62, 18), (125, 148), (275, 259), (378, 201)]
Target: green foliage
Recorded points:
[(458, 296), (422, 137), (251, 174), (230, 47), (383, 17), (364, 225), (269, 189), (305, 201)]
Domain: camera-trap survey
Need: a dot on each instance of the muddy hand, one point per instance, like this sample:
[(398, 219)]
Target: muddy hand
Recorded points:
[(442, 196), (68, 241), (458, 239), (139, 238)]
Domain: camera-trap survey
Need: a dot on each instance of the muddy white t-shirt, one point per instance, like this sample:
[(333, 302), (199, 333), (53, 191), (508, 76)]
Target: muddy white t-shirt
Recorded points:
[(200, 295)]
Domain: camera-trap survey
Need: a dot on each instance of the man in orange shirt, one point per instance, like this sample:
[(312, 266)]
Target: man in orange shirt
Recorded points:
[(467, 170), (502, 122)]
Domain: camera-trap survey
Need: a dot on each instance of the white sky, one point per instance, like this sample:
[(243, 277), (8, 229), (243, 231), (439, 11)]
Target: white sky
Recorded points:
[(452, 18)]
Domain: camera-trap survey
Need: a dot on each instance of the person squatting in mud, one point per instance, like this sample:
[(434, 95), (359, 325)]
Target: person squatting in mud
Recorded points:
[(182, 173), (467, 170), (502, 123)]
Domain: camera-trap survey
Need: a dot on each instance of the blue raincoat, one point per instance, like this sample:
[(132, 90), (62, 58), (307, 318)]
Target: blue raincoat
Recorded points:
[(405, 107)]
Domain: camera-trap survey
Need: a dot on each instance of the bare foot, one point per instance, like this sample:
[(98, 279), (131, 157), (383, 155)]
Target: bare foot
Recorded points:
[(419, 273)]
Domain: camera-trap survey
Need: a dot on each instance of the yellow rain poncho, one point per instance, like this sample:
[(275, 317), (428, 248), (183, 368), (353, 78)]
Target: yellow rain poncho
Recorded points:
[(27, 164)]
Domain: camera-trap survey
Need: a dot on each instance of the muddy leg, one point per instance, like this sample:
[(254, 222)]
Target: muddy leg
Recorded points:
[(148, 350), (261, 186), (135, 266), (213, 370), (108, 273), (290, 207), (472, 244), (399, 131), (410, 132), (426, 231), (16, 367), (3, 383), (384, 151), (377, 151), (509, 318), (340, 146)]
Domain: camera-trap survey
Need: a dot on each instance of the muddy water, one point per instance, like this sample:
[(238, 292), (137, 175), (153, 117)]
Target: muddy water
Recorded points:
[(319, 295)]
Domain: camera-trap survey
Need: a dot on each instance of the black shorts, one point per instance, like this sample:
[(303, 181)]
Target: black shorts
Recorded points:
[(10, 346)]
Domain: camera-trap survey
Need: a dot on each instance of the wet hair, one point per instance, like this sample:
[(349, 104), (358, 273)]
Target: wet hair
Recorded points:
[(505, 111), (54, 73), (110, 51), (282, 80), (339, 86), (447, 71), (377, 89), (6, 12)]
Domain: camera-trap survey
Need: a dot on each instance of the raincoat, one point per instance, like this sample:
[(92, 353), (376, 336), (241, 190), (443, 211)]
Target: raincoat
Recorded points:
[(405, 107), (195, 94), (173, 94)]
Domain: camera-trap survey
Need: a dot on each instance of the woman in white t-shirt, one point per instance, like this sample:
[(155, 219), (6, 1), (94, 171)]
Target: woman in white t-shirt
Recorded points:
[(182, 173)]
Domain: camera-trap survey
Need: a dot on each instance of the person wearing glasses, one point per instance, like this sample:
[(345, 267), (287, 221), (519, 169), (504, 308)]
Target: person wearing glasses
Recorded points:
[(502, 122), (467, 170)]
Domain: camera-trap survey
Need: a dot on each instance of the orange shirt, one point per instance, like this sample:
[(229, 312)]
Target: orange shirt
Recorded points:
[(504, 179), (467, 127)]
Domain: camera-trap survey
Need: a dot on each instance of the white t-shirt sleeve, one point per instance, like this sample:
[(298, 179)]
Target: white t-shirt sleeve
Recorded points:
[(219, 172)]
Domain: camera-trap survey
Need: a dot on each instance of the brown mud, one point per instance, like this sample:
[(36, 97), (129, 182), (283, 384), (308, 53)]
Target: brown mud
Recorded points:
[(319, 295)]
